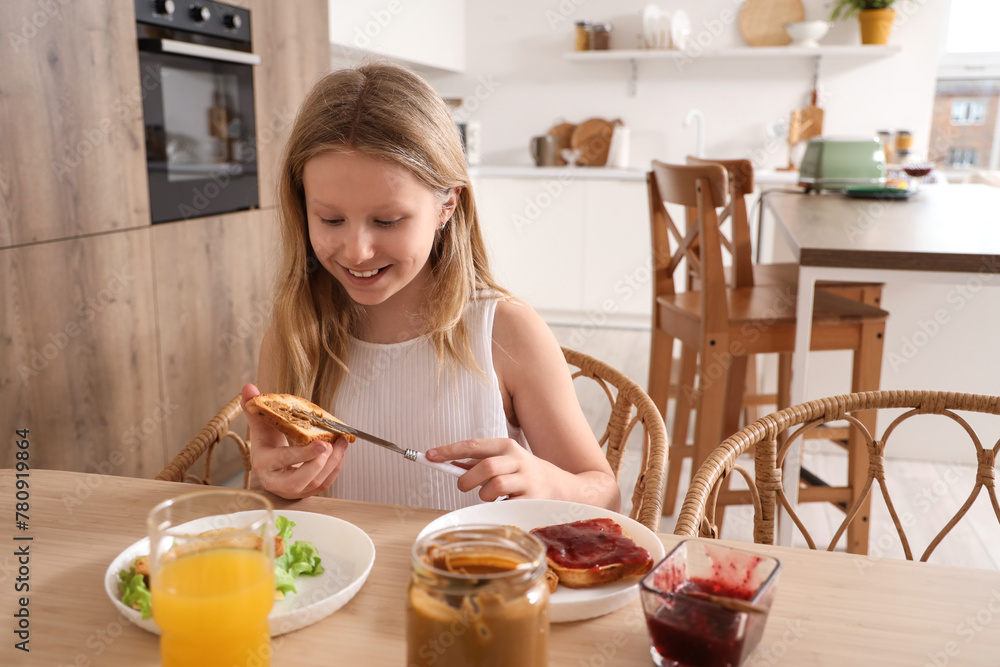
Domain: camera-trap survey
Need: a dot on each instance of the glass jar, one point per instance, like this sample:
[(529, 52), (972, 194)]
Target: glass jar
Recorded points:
[(583, 35), (904, 144), (478, 596), (888, 147), (600, 37)]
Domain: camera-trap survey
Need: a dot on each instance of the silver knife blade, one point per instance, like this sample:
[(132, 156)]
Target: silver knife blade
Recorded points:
[(340, 427), (451, 468)]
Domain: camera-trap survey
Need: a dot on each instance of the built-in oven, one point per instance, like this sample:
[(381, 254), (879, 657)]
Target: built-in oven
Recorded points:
[(196, 63)]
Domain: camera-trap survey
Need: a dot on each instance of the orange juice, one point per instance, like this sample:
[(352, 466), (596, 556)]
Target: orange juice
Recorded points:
[(212, 609)]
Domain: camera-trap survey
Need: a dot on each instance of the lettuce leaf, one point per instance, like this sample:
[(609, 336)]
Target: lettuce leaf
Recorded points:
[(134, 592), (300, 558)]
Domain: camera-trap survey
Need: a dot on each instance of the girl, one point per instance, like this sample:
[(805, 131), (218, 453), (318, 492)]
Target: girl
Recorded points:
[(387, 313)]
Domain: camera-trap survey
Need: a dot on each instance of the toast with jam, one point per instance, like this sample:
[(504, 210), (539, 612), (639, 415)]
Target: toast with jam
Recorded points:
[(592, 552)]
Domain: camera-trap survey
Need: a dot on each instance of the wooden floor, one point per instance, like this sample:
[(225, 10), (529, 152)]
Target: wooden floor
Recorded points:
[(929, 492)]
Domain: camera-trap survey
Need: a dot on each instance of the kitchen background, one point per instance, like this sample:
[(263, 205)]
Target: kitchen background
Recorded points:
[(120, 340)]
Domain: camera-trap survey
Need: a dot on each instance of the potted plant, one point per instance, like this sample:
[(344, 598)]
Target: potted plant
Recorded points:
[(874, 16)]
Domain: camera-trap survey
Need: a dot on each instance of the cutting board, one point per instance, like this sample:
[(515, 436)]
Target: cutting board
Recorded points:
[(563, 132), (593, 139), (762, 22)]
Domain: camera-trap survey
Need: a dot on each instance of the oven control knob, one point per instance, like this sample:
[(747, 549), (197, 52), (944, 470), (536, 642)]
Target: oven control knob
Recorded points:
[(199, 13), (232, 21), (165, 7)]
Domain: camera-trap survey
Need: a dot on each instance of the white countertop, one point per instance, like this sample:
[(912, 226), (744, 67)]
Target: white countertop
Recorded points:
[(560, 173), (765, 177)]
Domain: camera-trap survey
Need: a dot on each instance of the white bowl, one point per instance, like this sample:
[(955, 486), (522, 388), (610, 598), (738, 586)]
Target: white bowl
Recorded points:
[(807, 33)]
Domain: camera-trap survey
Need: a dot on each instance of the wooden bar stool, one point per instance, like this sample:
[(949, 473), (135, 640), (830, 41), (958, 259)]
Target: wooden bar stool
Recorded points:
[(746, 273), (721, 324)]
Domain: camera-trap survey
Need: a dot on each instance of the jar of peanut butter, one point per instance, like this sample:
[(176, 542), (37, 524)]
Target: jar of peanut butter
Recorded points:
[(478, 597), (582, 36)]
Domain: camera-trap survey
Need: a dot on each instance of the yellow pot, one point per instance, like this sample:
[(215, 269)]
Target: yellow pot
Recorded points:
[(875, 25)]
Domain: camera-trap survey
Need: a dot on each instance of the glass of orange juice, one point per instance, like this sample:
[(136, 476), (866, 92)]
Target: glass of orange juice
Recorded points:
[(212, 578)]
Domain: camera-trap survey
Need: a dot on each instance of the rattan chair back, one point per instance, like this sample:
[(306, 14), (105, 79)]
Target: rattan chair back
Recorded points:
[(630, 409), (764, 438)]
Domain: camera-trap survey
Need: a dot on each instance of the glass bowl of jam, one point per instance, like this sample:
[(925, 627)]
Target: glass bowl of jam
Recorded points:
[(706, 604)]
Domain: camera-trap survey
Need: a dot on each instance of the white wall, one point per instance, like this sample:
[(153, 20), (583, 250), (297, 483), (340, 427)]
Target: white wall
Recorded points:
[(518, 83)]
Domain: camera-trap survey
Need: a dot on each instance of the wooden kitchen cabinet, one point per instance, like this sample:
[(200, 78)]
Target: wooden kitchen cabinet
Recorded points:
[(293, 43), (213, 278), (120, 340), (73, 159), (576, 248), (78, 356)]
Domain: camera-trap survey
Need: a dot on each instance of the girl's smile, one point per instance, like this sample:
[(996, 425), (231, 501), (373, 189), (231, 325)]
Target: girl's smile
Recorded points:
[(372, 225)]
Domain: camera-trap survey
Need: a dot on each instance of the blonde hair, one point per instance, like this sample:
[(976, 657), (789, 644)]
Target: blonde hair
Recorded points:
[(387, 112)]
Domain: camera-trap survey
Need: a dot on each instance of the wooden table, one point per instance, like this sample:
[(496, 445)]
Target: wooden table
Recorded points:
[(945, 234), (831, 609)]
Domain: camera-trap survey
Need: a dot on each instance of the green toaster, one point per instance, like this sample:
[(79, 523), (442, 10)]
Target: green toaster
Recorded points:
[(834, 164)]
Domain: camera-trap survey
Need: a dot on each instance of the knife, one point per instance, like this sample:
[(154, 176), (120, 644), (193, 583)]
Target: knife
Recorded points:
[(410, 454)]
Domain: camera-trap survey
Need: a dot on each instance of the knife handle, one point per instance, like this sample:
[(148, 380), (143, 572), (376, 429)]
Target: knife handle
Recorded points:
[(450, 468)]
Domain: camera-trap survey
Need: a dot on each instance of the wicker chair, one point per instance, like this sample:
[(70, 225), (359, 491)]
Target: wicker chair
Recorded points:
[(630, 407), (697, 515), (217, 430)]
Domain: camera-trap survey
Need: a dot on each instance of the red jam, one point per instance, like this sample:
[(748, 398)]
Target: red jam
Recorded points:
[(706, 635), (590, 543)]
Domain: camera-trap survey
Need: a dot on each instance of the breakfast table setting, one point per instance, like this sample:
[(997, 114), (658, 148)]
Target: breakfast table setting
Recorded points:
[(61, 608)]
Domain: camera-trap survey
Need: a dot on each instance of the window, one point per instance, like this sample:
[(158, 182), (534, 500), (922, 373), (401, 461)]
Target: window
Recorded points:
[(965, 129), (962, 158), (968, 112)]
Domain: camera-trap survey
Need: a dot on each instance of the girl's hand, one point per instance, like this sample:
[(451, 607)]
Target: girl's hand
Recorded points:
[(290, 472), (501, 467)]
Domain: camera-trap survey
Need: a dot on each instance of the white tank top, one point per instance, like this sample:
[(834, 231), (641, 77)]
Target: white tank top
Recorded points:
[(394, 392)]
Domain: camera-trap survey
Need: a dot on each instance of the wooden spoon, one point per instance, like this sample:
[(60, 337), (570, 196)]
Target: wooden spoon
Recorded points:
[(734, 604)]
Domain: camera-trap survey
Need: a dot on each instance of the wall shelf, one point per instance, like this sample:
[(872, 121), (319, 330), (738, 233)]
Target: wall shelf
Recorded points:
[(687, 57), (877, 51)]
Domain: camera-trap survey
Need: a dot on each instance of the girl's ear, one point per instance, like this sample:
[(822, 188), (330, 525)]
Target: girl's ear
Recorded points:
[(448, 209)]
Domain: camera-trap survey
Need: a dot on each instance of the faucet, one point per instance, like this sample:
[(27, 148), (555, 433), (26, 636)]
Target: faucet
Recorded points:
[(692, 115)]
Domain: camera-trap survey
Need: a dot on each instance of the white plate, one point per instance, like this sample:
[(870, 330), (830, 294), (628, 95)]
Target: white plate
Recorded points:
[(566, 604), (347, 555), (680, 29), (652, 33)]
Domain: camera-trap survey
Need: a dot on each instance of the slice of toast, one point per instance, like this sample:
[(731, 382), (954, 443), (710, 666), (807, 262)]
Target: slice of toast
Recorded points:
[(592, 552), (277, 409)]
